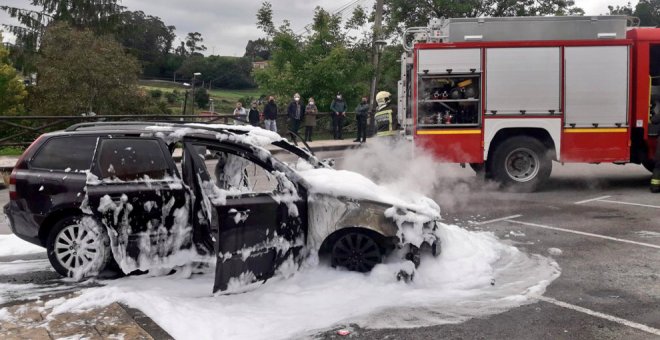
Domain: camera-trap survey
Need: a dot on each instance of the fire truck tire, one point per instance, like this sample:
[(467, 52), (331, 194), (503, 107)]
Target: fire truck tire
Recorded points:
[(521, 163)]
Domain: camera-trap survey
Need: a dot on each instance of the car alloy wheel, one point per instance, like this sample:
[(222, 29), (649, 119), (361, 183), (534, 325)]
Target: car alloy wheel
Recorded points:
[(356, 252)]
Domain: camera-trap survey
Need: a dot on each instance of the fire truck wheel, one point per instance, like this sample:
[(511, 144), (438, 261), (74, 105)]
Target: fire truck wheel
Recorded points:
[(521, 163)]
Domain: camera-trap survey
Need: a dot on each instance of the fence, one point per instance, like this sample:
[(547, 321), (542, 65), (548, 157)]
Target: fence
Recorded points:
[(22, 130)]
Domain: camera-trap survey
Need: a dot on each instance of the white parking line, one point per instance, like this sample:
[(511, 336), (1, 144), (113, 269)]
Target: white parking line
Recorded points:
[(586, 234), (497, 220), (629, 203), (612, 318), (593, 199)]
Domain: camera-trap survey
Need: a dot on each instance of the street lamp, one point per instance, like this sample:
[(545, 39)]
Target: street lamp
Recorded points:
[(379, 45), (193, 91)]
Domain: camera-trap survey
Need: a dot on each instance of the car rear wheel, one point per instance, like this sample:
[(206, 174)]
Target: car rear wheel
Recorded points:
[(356, 251), (78, 247)]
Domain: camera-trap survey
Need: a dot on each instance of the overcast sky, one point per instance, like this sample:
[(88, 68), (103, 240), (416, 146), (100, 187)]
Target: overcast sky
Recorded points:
[(227, 25)]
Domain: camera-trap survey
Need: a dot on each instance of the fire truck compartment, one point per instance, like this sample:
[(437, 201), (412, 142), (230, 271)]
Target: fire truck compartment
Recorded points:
[(449, 61), (596, 86), (523, 80)]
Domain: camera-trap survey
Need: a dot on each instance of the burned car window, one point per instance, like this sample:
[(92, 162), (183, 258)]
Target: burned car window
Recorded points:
[(73, 153), (131, 159), (235, 173)]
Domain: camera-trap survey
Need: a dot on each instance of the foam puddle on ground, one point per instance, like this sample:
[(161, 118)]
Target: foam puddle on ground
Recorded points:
[(475, 275)]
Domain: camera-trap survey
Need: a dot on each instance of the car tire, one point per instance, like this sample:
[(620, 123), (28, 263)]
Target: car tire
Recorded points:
[(521, 163), (356, 251), (78, 247)]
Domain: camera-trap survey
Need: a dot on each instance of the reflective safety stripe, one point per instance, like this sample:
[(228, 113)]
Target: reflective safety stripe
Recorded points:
[(655, 181), (595, 130)]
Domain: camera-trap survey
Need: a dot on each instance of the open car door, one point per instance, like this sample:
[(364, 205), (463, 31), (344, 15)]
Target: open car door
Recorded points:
[(138, 196), (258, 219)]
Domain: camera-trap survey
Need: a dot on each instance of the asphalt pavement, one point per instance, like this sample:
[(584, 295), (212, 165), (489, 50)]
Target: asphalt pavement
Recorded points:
[(603, 219)]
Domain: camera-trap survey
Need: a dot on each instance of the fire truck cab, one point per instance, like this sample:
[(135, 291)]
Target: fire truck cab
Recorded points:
[(510, 95)]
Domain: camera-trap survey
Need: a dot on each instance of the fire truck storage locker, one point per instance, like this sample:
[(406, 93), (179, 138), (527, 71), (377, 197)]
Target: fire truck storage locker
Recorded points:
[(596, 99), (448, 102), (523, 80)]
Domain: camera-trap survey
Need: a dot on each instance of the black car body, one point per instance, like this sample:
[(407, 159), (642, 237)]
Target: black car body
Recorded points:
[(113, 191)]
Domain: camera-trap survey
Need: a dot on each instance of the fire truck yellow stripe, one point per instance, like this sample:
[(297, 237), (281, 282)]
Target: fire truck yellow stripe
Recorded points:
[(448, 132), (595, 130)]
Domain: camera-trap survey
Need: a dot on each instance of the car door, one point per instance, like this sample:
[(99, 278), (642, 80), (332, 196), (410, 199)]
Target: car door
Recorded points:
[(259, 222), (136, 192)]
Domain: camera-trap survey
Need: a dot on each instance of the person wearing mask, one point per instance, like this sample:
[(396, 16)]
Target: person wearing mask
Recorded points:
[(253, 115), (295, 112), (338, 108), (270, 115), (361, 112), (240, 113), (310, 119)]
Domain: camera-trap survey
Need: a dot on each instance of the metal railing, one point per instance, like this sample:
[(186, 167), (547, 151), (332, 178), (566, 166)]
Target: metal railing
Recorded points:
[(22, 130)]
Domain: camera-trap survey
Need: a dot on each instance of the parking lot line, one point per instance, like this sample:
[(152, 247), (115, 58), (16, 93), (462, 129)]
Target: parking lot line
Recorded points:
[(586, 234), (497, 219), (593, 199), (612, 318), (629, 203)]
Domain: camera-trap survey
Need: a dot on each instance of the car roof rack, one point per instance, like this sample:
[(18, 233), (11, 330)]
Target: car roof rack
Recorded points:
[(142, 124)]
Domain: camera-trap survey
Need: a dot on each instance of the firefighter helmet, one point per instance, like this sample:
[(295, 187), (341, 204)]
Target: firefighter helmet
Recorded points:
[(382, 99)]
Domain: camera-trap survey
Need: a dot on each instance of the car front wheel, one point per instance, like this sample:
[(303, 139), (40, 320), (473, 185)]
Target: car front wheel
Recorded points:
[(78, 247), (356, 251)]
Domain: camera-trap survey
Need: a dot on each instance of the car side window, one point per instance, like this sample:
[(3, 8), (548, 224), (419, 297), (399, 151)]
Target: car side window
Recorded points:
[(131, 159), (235, 173), (71, 153)]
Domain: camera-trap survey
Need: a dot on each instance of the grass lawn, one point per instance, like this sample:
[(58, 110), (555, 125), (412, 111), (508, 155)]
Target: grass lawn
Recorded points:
[(11, 151), (224, 99)]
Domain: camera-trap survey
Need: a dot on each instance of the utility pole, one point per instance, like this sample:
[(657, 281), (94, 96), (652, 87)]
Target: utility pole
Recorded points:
[(378, 23)]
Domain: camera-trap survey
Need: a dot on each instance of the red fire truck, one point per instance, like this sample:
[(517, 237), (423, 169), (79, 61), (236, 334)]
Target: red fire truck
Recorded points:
[(510, 95)]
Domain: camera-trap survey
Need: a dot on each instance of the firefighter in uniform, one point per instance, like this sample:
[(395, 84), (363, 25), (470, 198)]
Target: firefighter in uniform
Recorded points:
[(386, 117), (654, 128)]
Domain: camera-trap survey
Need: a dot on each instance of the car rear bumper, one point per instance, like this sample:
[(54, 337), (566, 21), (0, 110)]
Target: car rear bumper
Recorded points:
[(20, 223)]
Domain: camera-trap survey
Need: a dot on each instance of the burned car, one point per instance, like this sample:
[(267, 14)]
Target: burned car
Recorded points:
[(102, 192)]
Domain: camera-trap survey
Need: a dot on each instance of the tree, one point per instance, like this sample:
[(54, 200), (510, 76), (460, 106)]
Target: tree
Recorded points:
[(259, 49), (80, 72), (319, 65), (194, 43), (99, 16), (648, 12), (147, 38), (12, 90), (202, 97)]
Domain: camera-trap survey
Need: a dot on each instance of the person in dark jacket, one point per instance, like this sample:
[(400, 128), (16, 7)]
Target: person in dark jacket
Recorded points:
[(296, 111), (655, 129), (253, 115), (338, 108), (270, 115), (310, 119), (361, 112)]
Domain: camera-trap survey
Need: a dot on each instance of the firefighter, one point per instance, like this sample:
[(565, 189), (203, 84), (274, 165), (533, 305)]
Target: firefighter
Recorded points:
[(386, 117), (655, 129)]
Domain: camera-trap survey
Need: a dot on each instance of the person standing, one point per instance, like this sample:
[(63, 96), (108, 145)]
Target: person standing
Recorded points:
[(310, 119), (338, 108), (253, 115), (296, 111), (240, 113), (361, 112), (270, 115)]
